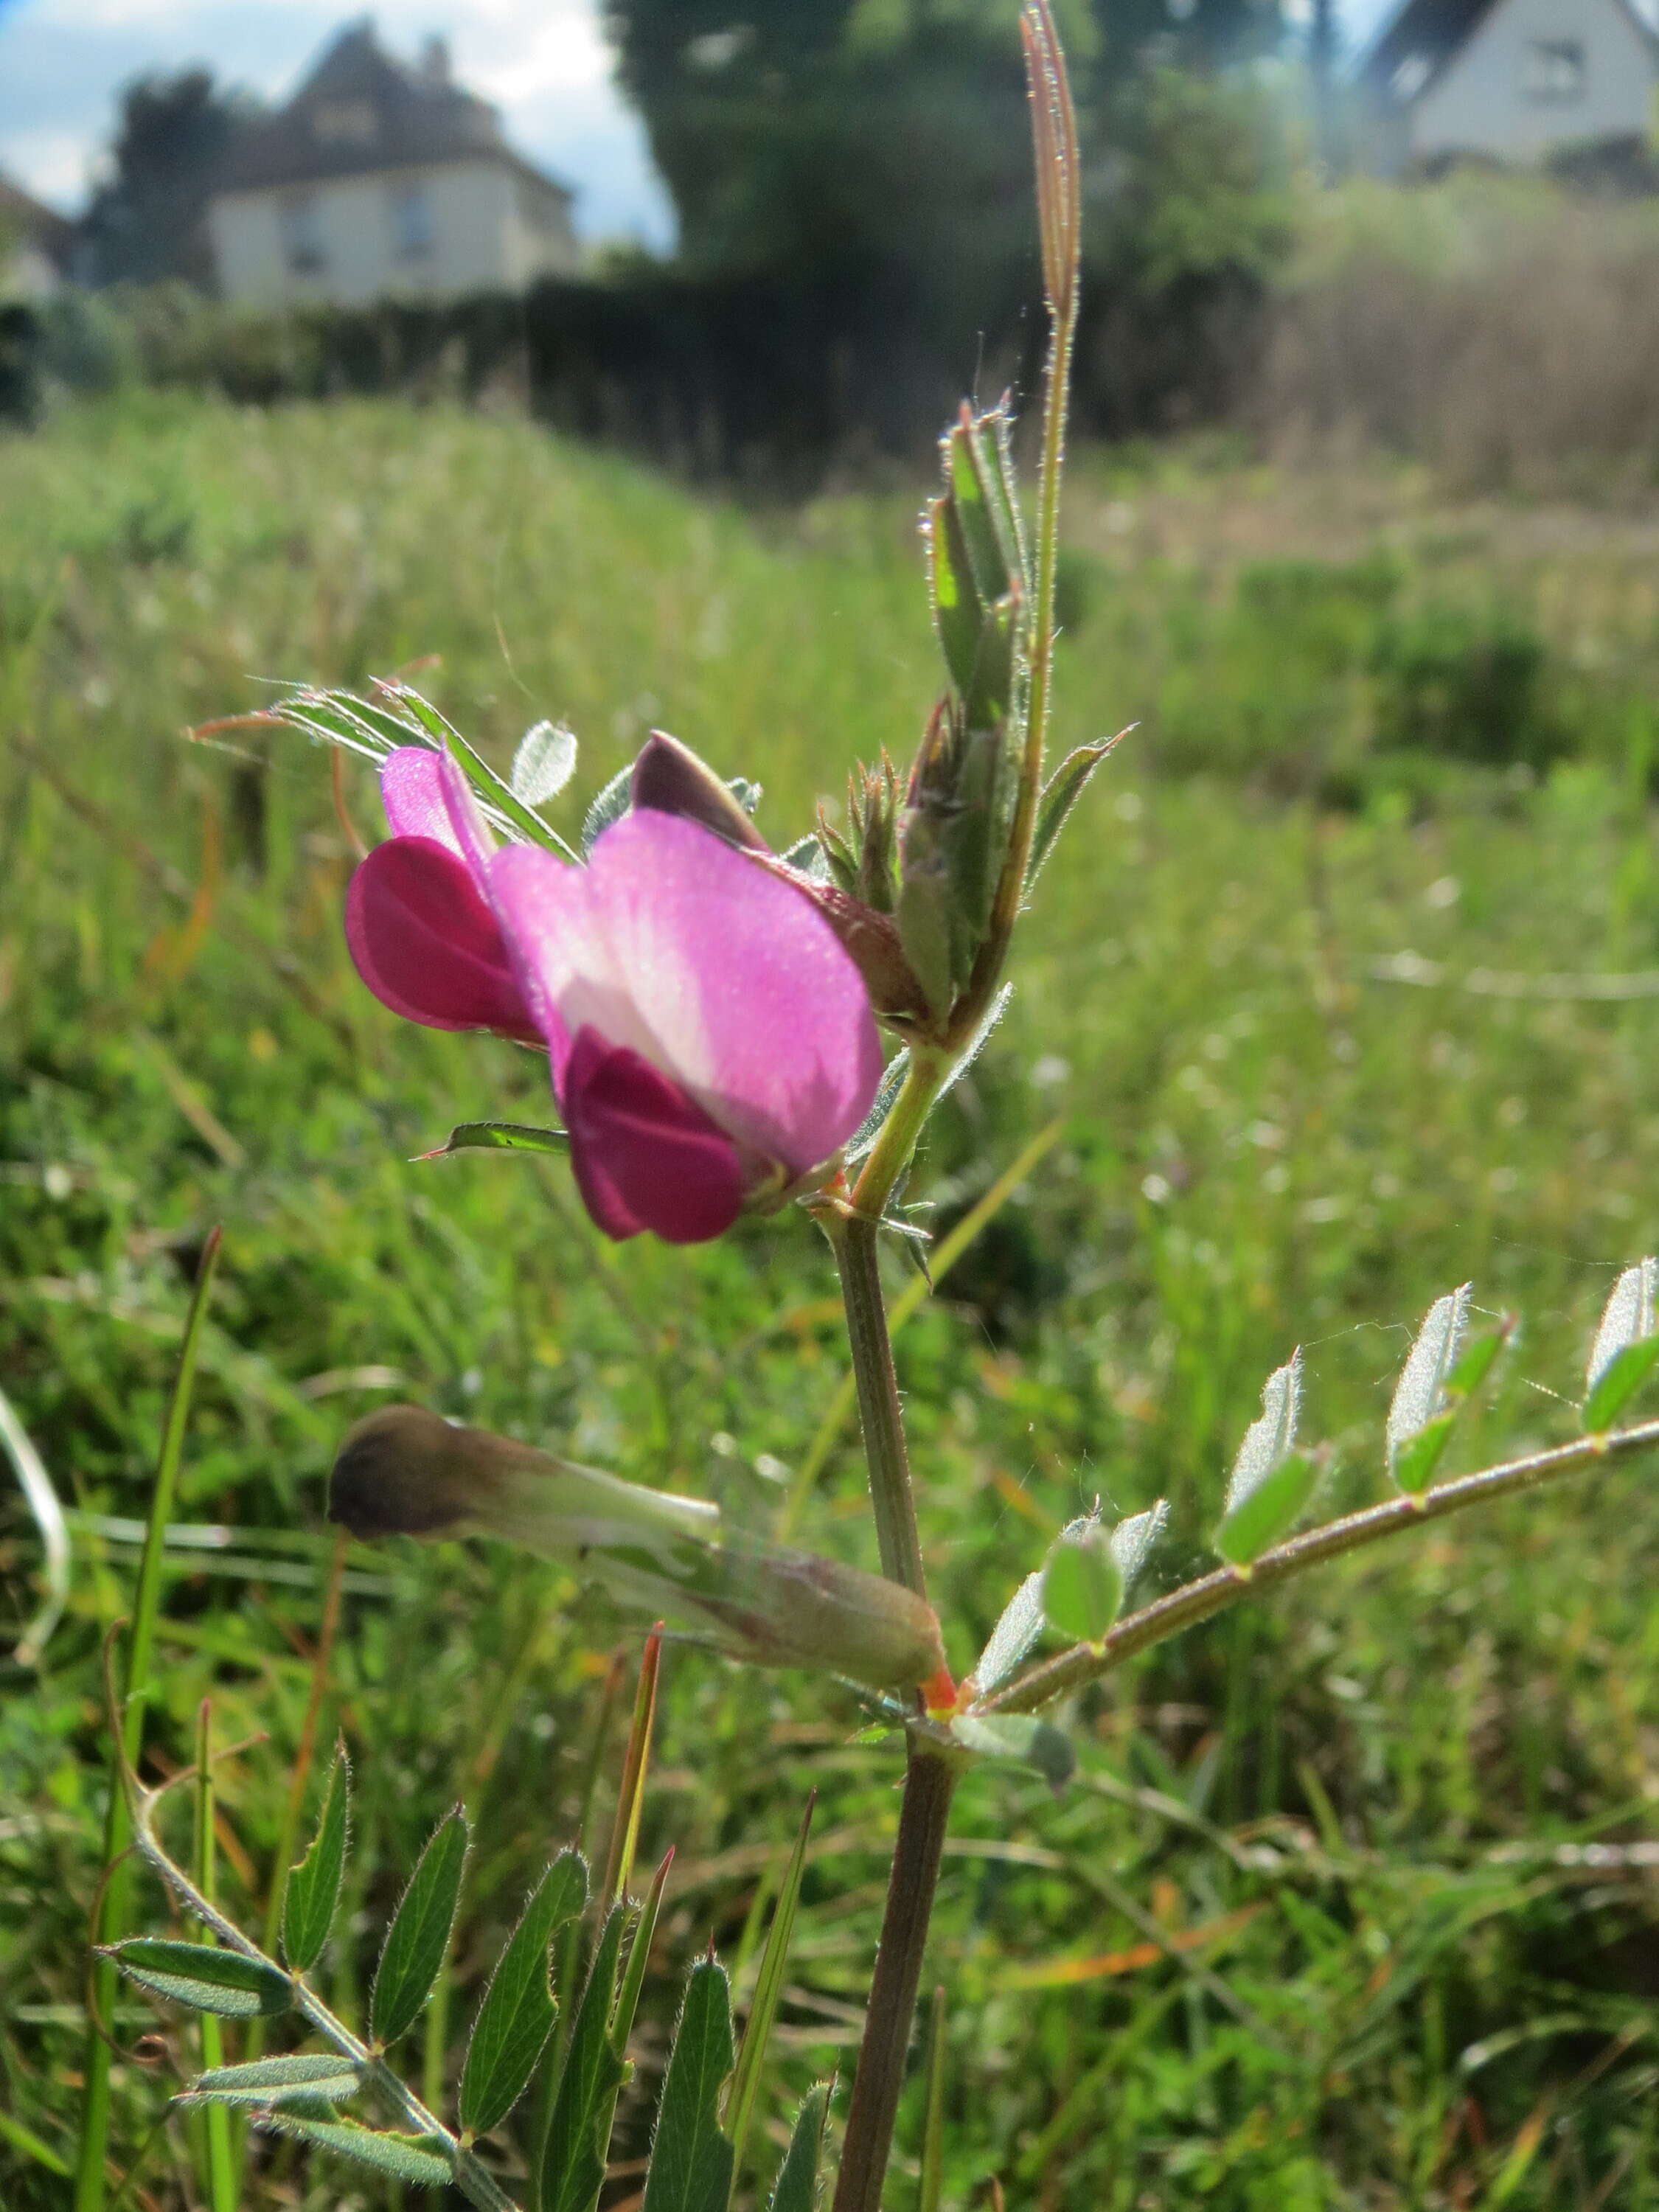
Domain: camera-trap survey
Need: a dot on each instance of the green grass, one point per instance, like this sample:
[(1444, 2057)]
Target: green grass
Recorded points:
[(1419, 1991)]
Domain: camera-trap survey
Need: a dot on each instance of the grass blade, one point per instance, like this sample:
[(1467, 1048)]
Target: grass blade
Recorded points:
[(769, 1992), (113, 1914), (42, 1498), (222, 2191), (630, 1793)]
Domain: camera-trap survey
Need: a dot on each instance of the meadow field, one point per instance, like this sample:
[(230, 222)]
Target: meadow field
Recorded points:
[(1350, 1902)]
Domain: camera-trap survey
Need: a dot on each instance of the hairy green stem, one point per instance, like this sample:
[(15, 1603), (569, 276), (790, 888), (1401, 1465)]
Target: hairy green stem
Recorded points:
[(1211, 1594), (929, 1780), (853, 1238)]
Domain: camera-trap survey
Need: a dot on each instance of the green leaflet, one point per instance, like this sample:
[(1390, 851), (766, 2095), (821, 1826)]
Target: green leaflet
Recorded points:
[(797, 2186), (692, 2161), (499, 1137), (309, 2075), (203, 1976), (1619, 1382), (312, 1893), (573, 2167), (1061, 794), (421, 2159), (518, 2012), (610, 804), (1266, 1513), (1082, 1584), (413, 1953)]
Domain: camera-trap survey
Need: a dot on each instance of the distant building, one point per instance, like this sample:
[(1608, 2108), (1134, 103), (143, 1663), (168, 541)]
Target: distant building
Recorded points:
[(382, 180), (1509, 81), (36, 245)]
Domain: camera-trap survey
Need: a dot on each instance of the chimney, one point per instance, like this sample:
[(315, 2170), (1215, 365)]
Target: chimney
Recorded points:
[(434, 59)]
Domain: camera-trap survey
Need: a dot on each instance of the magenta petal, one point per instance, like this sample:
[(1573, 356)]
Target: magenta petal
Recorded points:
[(644, 1156), (412, 792), (748, 998), (426, 944)]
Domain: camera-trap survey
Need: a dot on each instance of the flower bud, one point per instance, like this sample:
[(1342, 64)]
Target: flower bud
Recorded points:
[(669, 778), (404, 1472)]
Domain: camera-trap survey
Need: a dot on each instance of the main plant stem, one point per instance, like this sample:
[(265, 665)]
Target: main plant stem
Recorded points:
[(923, 1816), (853, 1229)]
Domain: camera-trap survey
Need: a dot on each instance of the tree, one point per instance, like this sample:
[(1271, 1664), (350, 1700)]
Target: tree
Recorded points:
[(147, 220)]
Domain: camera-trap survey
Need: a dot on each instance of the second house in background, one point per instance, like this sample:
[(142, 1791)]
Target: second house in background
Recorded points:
[(379, 181)]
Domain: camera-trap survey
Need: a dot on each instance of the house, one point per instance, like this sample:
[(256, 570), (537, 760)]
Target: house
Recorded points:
[(378, 181), (1510, 81), (36, 245)]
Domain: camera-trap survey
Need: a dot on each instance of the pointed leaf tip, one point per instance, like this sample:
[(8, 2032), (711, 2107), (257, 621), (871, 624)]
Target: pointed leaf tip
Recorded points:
[(312, 1893), (1417, 1395), (690, 2168), (418, 1937)]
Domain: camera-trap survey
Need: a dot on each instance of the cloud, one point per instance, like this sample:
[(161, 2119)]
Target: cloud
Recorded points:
[(545, 62)]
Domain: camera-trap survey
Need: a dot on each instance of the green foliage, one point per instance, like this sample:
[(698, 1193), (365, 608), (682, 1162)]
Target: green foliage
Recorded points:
[(1082, 1586), (312, 1894), (517, 2015), (204, 1978), (1259, 1140), (691, 2161), (267, 2082), (420, 2160), (796, 2190), (499, 1136), (573, 2167), (413, 1954)]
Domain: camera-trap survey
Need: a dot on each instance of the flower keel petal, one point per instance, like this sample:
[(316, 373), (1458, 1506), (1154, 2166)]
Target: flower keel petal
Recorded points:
[(645, 1155)]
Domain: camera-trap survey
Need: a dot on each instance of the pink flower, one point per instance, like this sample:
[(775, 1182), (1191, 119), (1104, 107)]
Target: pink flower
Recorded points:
[(418, 918), (711, 1041)]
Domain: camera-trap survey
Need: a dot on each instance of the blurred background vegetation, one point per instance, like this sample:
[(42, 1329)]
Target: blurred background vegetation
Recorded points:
[(1352, 1903)]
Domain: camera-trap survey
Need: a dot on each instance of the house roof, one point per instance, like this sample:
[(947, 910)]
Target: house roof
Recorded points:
[(361, 111), (39, 226), (1433, 32)]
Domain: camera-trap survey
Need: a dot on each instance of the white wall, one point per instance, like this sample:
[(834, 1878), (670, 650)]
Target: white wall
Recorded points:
[(480, 241), (27, 273), (1480, 105)]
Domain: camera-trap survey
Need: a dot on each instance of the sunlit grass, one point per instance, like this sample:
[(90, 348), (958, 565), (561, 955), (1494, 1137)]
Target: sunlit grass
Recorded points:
[(1262, 1146)]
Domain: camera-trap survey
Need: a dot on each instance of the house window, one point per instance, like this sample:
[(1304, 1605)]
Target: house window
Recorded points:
[(1554, 70), (301, 222), (411, 222)]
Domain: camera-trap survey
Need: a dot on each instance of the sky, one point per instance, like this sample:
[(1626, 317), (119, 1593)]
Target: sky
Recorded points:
[(544, 62)]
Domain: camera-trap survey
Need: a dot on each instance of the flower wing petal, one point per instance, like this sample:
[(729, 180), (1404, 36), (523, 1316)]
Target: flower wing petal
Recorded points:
[(426, 944), (412, 792)]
